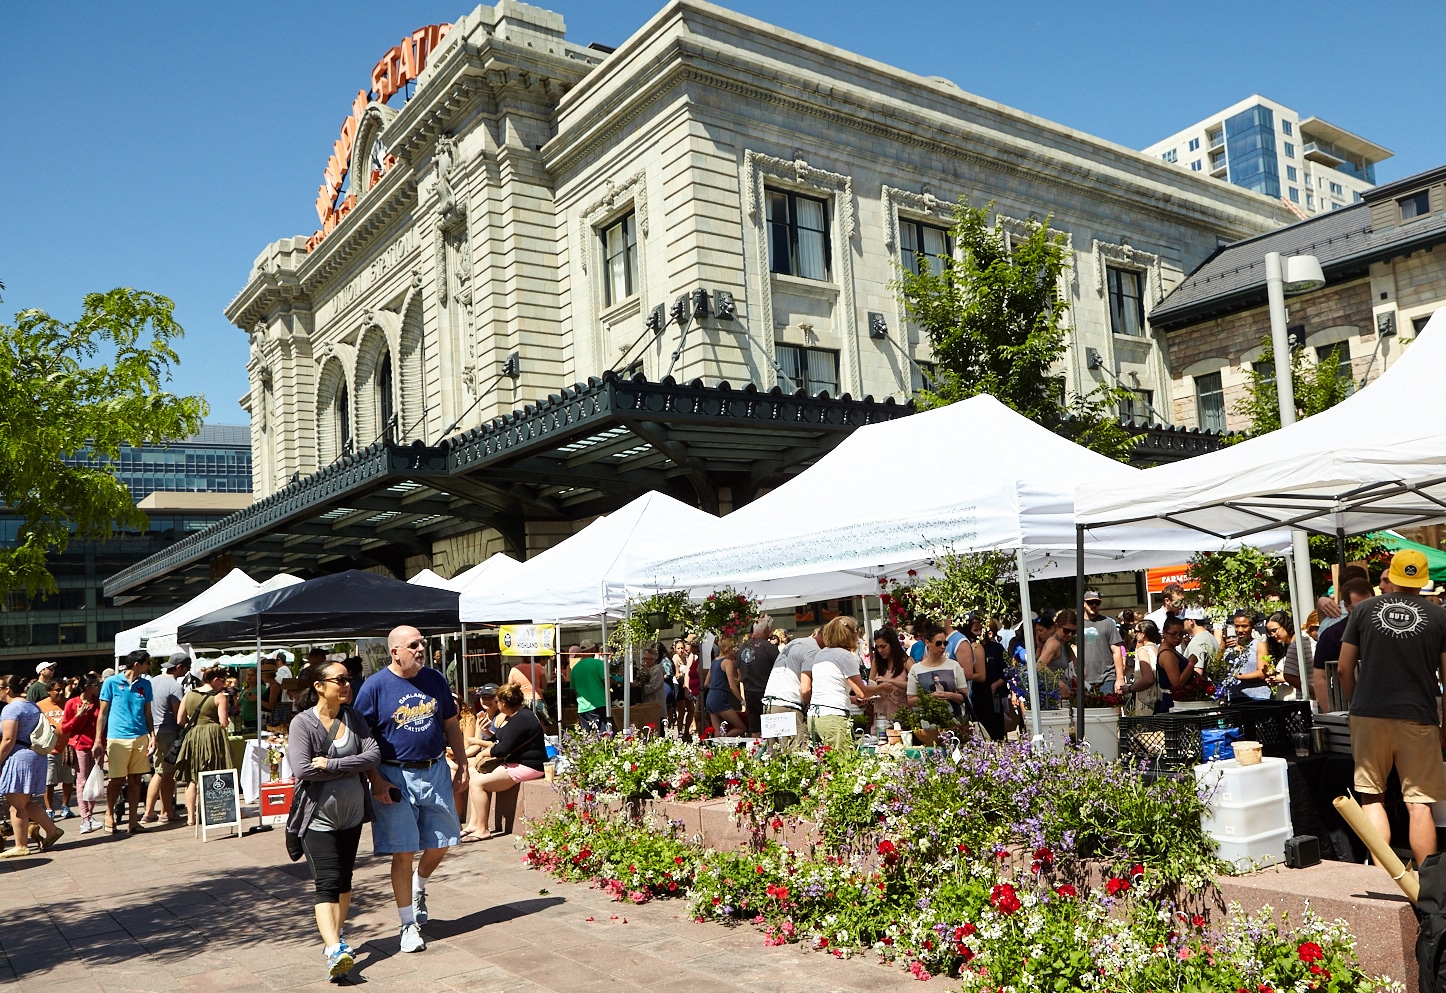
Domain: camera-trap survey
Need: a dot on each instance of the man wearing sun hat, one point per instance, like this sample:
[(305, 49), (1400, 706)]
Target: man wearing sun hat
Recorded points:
[(1393, 656)]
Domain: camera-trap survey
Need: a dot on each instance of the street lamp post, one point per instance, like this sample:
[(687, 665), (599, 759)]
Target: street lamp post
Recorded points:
[(1284, 277)]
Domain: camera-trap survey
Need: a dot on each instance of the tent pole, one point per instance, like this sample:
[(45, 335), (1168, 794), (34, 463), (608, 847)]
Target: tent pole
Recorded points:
[(557, 680), (1341, 562), (1079, 648), (261, 824), (607, 672), (628, 670), (1026, 635), (462, 662), (1302, 666)]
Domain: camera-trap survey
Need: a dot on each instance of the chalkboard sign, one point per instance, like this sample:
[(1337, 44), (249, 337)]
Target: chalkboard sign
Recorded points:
[(220, 801)]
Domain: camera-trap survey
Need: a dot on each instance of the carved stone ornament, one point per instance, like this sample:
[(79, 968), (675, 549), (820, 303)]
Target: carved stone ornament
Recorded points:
[(636, 187), (1129, 258), (925, 203)]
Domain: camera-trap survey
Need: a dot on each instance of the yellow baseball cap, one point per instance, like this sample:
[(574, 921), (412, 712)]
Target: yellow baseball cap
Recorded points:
[(1408, 568)]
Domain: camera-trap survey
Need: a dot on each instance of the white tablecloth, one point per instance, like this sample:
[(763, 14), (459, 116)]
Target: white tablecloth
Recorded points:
[(251, 768)]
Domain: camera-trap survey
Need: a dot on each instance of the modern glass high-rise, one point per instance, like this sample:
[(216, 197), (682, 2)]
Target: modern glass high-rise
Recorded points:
[(1264, 146), (184, 487)]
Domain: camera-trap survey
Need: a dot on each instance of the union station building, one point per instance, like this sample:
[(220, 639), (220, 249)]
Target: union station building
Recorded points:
[(548, 277)]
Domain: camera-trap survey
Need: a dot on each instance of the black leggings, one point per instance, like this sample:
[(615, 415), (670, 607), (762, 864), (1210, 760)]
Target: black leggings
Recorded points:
[(331, 856)]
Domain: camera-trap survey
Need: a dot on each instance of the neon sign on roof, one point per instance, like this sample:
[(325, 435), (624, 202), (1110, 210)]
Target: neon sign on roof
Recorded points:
[(402, 64)]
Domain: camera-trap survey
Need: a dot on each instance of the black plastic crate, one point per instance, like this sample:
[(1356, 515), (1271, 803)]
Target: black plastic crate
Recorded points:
[(1170, 740), (1273, 723)]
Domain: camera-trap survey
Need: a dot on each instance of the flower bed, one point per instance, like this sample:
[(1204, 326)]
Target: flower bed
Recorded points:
[(1006, 869)]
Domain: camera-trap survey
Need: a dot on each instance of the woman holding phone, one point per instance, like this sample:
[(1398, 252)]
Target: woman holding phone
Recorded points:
[(331, 749)]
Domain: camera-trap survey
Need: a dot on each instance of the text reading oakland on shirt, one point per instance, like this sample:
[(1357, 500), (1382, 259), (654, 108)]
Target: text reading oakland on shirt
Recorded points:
[(407, 715)]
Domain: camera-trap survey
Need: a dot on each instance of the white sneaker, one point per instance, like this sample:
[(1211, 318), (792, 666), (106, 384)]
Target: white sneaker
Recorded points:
[(419, 906), (87, 826), (412, 940)]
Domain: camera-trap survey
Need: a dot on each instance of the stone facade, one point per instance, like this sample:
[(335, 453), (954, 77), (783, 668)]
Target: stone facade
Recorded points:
[(519, 151)]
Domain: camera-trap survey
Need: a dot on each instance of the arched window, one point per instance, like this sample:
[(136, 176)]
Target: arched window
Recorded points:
[(386, 399), (343, 420)]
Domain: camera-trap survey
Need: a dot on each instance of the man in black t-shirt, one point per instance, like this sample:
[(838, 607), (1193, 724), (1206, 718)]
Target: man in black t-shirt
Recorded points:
[(1398, 642), (755, 665)]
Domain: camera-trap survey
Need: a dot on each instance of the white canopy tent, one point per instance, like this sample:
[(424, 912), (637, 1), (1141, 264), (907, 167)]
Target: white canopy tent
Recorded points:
[(592, 573), (497, 565), (588, 576), (973, 476), (429, 578), (1376, 460), (158, 636)]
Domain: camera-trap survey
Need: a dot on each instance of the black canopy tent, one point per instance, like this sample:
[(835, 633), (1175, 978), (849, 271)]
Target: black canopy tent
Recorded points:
[(346, 604)]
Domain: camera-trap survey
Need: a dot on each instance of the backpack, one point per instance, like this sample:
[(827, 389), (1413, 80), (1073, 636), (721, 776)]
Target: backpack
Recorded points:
[(1431, 918), (44, 739)]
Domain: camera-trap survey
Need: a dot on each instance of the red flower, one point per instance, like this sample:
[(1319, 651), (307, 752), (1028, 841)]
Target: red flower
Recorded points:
[(1066, 891), (1043, 854), (1004, 899), (1137, 871), (1309, 951), (1116, 885), (1197, 921), (913, 572)]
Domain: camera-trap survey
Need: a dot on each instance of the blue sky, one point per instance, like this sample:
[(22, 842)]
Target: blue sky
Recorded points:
[(161, 146)]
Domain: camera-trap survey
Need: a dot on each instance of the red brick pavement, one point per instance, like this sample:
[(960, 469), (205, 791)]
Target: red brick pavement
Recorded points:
[(161, 912)]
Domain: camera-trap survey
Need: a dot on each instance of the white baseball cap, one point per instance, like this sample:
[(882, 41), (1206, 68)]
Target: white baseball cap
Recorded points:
[(41, 667)]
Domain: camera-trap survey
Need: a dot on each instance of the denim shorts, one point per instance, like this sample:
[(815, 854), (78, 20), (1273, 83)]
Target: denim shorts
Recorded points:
[(425, 818)]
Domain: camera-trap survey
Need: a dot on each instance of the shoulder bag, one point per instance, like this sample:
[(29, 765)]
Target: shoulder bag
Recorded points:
[(44, 739), (174, 751)]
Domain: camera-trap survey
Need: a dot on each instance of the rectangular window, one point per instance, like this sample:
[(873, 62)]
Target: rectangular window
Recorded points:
[(1169, 156), (620, 250), (1285, 127), (1127, 303), (1135, 408), (1310, 199), (1289, 150), (1295, 194), (1291, 175), (1210, 403), (798, 235), (921, 375), (1194, 144), (1418, 324), (1336, 190), (1250, 141), (1415, 205), (1195, 166), (924, 248), (1342, 358), (812, 370), (1215, 138)]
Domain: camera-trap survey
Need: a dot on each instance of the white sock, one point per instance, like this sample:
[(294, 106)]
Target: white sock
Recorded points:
[(405, 913), (332, 949), (419, 882)]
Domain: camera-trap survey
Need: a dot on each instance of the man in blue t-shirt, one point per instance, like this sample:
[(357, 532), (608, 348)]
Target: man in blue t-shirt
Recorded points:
[(123, 735), (414, 720)]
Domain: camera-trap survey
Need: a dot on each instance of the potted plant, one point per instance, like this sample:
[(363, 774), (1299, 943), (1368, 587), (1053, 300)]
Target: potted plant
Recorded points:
[(926, 719)]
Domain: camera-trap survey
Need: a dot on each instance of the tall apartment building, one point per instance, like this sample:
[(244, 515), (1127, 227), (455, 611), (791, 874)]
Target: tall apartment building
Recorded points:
[(1269, 148), (184, 488)]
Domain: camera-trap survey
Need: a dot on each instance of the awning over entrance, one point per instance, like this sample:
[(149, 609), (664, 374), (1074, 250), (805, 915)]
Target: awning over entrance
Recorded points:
[(583, 452)]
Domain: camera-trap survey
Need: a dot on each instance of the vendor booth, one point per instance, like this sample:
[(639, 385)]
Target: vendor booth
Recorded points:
[(158, 636)]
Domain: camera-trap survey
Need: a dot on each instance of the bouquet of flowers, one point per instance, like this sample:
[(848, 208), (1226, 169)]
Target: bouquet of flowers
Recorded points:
[(900, 600)]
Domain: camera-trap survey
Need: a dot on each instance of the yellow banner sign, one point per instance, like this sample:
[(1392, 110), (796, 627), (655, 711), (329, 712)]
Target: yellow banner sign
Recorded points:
[(527, 639)]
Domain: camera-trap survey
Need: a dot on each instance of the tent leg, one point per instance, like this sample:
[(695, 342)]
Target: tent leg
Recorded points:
[(628, 675), (1298, 618), (1340, 561), (261, 824), (557, 681), (1026, 633), (462, 663), (1079, 648), (607, 674)]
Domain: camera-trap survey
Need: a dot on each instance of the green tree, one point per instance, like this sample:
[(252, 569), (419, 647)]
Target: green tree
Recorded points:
[(58, 401), (995, 319), (1318, 387)]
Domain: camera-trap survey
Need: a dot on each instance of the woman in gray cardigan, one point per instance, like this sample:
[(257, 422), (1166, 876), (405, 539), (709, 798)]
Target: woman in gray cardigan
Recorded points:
[(331, 749)]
